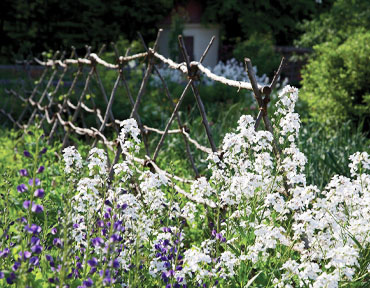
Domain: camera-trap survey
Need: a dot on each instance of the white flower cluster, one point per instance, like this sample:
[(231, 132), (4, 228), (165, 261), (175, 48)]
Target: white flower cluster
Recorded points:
[(307, 237), (129, 128), (72, 160), (232, 70)]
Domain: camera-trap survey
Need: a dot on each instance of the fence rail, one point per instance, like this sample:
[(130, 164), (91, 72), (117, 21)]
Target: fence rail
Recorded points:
[(104, 119)]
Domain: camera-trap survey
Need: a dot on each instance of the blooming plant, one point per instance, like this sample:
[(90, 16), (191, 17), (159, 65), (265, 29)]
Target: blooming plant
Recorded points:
[(254, 222)]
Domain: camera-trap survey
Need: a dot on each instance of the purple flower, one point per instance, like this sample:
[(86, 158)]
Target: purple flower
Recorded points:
[(22, 188), (34, 260), (37, 208), (57, 242), (37, 182), (97, 241), (107, 280), (49, 258), (11, 278), (16, 265), (23, 172), (24, 255), (34, 229), (35, 241), (40, 193), (41, 169), (36, 249), (26, 204), (115, 263), (117, 225), (43, 151), (4, 253), (2, 275), (93, 262), (88, 282), (54, 231), (115, 238), (26, 153)]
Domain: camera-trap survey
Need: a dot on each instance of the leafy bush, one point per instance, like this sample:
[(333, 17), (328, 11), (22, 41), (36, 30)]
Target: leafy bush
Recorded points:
[(336, 81), (258, 48), (341, 21)]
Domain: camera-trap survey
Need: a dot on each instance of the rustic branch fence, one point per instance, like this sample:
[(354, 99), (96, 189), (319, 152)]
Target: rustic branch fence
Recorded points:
[(64, 107)]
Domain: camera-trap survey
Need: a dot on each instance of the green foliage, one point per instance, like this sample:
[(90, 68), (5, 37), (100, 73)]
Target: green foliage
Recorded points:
[(30, 27), (328, 153), (177, 26), (278, 18), (341, 21), (258, 48), (335, 81)]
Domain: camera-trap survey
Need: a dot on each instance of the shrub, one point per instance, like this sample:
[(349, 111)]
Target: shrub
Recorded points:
[(258, 48), (336, 81)]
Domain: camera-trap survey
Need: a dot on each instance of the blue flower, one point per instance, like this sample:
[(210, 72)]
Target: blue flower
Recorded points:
[(16, 265), (115, 263), (97, 241), (93, 262), (41, 169), (34, 260), (36, 249), (34, 229), (37, 208), (27, 154), (88, 282), (22, 188), (37, 182), (23, 172), (4, 253), (40, 193)]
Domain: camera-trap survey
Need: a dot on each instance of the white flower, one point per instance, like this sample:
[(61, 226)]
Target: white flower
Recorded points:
[(72, 160)]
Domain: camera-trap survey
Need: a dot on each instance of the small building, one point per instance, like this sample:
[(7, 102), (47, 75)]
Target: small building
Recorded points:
[(196, 35)]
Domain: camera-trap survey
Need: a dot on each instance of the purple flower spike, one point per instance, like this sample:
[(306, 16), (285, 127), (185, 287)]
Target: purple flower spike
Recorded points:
[(11, 278), (37, 208), (43, 151), (34, 261), (22, 188), (35, 241), (36, 249), (97, 241), (26, 204), (54, 231), (115, 264), (88, 282), (4, 253), (37, 182), (23, 172), (24, 255), (57, 242), (41, 169), (16, 266), (34, 229), (93, 262), (27, 154), (40, 193)]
